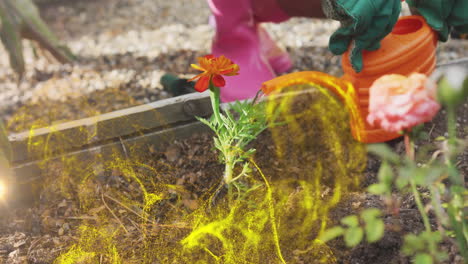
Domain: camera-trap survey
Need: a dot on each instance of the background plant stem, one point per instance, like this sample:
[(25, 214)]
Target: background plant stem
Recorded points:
[(409, 147), (452, 145)]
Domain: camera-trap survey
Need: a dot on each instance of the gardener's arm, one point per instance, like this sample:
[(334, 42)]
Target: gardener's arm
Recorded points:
[(302, 8), (443, 15), (364, 23)]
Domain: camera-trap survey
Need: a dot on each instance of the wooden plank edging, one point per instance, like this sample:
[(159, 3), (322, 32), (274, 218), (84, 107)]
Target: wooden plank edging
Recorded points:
[(70, 136)]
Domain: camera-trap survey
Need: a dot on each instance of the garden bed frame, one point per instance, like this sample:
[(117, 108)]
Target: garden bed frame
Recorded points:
[(135, 127)]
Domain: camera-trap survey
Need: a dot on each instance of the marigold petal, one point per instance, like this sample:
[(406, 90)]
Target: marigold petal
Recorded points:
[(225, 71), (197, 76), (233, 70), (196, 67), (222, 59), (218, 81), (202, 84), (206, 63)]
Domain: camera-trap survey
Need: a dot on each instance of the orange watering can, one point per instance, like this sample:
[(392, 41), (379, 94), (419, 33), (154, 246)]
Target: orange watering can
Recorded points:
[(410, 47)]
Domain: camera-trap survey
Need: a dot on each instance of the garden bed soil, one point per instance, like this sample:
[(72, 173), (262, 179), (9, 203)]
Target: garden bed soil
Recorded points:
[(72, 204)]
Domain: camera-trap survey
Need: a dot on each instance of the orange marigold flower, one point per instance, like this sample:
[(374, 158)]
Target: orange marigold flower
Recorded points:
[(212, 70)]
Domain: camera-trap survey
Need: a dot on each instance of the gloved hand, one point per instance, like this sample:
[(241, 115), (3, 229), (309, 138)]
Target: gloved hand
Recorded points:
[(443, 15), (364, 23)]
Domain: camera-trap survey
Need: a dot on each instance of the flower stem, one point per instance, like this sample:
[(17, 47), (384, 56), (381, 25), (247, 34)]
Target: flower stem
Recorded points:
[(451, 125), (410, 153), (438, 209), (214, 96), (256, 97), (409, 146), (452, 144), (228, 171), (419, 204)]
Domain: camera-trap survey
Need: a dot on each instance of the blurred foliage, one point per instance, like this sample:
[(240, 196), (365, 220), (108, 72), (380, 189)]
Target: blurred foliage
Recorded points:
[(5, 152), (353, 228), (21, 19), (5, 148)]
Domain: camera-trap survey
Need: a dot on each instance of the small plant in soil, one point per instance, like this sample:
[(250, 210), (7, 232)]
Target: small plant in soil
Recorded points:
[(236, 127), (434, 182)]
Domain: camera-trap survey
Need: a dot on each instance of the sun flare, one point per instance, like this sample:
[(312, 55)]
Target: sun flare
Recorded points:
[(3, 190)]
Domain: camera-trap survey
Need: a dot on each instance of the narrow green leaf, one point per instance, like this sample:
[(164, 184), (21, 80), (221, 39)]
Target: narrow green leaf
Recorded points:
[(5, 146), (331, 233), (11, 38), (385, 174), (460, 228), (384, 151), (36, 29)]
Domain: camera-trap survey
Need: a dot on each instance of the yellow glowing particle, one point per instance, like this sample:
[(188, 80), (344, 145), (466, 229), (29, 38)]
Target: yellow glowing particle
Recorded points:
[(3, 190)]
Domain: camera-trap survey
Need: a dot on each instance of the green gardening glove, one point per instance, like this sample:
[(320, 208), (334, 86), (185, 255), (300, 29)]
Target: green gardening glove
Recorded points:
[(364, 23), (443, 15)]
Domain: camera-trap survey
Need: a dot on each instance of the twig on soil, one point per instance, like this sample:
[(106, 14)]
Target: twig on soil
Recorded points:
[(430, 131), (434, 156), (126, 207), (174, 207), (217, 192), (84, 217), (58, 249), (33, 245), (171, 226), (134, 224), (124, 148), (139, 215), (113, 214)]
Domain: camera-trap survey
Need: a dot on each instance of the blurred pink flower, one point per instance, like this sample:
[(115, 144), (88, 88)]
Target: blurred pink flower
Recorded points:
[(398, 103)]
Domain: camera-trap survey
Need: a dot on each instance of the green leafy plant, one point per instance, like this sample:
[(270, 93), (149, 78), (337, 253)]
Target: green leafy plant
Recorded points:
[(21, 19), (5, 159), (353, 228), (419, 246), (406, 176), (436, 179), (234, 129)]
